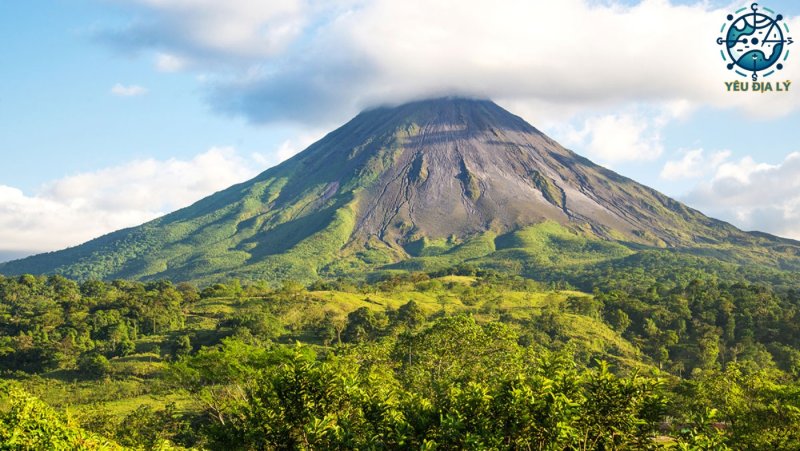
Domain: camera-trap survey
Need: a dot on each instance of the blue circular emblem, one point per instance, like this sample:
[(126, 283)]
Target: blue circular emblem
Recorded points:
[(755, 41)]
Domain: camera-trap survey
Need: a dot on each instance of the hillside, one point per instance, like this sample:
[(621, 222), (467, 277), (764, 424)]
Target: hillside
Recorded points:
[(425, 185)]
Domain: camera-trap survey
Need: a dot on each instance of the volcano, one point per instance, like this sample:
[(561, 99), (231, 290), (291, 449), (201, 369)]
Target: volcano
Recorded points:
[(421, 185)]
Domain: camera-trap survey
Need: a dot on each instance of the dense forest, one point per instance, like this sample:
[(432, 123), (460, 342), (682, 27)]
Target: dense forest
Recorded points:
[(461, 358)]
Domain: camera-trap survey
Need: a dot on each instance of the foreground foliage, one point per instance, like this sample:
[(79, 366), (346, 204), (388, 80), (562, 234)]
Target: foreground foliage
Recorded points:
[(30, 424), (464, 359)]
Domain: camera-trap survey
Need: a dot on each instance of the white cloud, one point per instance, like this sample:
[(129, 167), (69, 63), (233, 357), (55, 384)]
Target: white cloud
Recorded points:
[(741, 170), (686, 167), (717, 158), (633, 134), (291, 147), (693, 164), (614, 138), (76, 208), (754, 196), (213, 29), (166, 62), (286, 150), (311, 61), (128, 91)]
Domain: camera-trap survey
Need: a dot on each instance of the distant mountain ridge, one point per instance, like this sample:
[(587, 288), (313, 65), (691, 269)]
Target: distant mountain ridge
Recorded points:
[(421, 185)]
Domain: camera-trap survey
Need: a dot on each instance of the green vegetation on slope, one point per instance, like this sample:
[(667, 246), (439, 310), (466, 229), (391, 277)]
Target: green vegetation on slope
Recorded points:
[(423, 186)]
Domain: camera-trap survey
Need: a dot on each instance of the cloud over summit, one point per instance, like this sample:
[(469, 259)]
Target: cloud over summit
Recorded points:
[(310, 61)]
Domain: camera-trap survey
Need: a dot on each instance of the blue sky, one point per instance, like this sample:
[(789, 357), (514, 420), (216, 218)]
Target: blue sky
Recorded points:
[(116, 111), (57, 76)]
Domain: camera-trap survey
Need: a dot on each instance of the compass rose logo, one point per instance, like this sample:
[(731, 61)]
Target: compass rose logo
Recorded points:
[(755, 41)]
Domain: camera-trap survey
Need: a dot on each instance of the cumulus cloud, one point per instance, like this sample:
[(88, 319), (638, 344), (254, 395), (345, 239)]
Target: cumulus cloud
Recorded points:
[(291, 147), (128, 91), (742, 170), (169, 63), (311, 61), (212, 30), (617, 137), (754, 196), (79, 207), (693, 164), (633, 134)]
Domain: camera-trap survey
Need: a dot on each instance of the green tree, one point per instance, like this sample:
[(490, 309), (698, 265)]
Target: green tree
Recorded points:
[(363, 324), (94, 365), (409, 315), (182, 346), (29, 424), (619, 320)]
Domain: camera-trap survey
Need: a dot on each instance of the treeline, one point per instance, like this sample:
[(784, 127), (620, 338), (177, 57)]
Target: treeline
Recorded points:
[(457, 384), (718, 363), (683, 312), (51, 322), (449, 384), (706, 324)]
